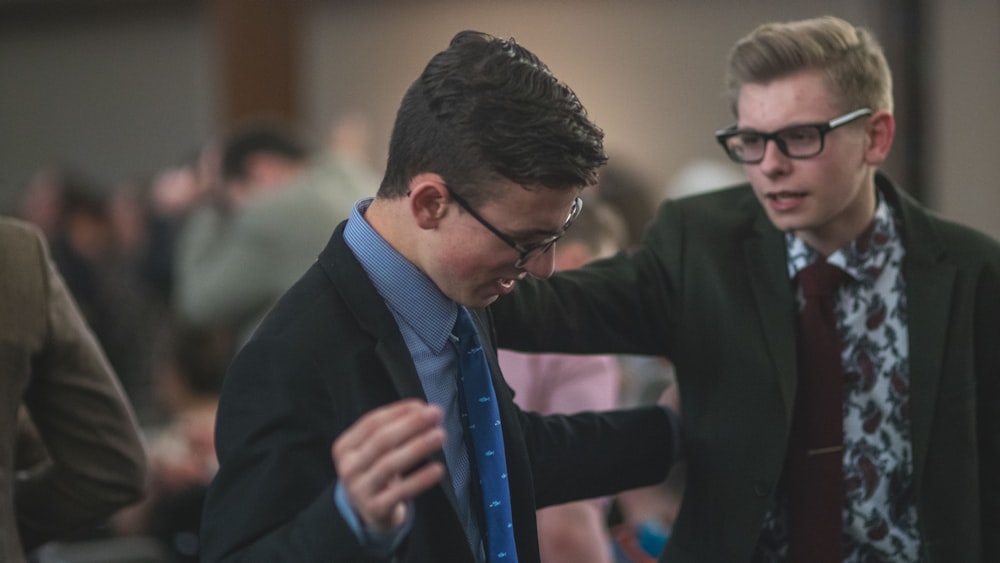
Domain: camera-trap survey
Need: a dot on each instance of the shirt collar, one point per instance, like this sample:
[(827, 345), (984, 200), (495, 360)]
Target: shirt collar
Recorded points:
[(412, 296), (863, 258)]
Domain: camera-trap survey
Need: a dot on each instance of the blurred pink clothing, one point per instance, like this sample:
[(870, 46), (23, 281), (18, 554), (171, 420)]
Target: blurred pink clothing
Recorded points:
[(561, 383)]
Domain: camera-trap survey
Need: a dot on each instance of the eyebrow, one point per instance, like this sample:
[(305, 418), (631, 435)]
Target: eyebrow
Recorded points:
[(783, 127)]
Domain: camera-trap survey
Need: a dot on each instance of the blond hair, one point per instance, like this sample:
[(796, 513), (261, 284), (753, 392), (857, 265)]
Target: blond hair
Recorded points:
[(850, 57)]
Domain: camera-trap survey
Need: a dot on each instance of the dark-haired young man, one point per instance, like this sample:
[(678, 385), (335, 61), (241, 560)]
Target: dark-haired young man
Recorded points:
[(346, 429)]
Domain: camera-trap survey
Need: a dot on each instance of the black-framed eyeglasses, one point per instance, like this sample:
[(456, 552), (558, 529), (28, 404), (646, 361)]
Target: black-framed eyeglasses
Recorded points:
[(526, 252), (747, 146)]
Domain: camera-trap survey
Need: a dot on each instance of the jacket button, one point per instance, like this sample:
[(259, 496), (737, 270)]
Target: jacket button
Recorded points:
[(762, 488)]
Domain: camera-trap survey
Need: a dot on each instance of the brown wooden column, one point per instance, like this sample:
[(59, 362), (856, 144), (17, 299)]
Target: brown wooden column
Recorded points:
[(257, 43), (902, 30)]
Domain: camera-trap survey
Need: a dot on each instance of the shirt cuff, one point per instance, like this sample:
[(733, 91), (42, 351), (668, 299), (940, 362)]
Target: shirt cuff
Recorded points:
[(374, 540)]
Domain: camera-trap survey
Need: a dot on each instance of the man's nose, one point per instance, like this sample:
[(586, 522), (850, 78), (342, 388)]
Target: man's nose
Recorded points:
[(775, 161), (542, 265)]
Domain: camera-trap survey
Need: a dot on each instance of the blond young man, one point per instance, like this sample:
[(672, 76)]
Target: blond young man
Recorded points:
[(714, 286)]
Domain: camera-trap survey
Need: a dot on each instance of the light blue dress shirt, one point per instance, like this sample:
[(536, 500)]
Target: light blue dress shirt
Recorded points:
[(426, 318)]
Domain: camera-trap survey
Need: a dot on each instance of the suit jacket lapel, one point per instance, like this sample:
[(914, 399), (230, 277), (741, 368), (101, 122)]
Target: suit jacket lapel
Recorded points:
[(374, 317), (404, 377), (930, 284), (927, 289), (765, 257), (372, 314)]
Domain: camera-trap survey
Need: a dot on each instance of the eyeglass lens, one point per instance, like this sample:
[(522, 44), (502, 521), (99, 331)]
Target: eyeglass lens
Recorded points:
[(533, 251), (797, 142)]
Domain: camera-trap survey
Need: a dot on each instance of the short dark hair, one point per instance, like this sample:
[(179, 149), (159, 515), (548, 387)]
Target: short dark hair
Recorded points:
[(258, 137), (487, 109)]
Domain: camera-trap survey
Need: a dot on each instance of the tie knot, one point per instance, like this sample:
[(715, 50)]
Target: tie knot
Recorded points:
[(465, 328), (820, 278)]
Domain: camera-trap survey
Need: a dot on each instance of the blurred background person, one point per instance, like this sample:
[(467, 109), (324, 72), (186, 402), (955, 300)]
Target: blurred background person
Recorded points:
[(630, 194), (175, 192), (702, 175), (71, 451), (95, 234), (640, 520), (182, 458), (262, 226)]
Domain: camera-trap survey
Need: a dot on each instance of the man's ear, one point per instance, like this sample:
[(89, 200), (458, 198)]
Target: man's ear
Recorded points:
[(881, 130), (428, 200)]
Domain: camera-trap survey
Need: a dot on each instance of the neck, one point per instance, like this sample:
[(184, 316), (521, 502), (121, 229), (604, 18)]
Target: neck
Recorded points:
[(847, 226), (390, 219)]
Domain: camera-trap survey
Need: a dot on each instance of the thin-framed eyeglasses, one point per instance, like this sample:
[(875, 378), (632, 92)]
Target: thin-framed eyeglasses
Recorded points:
[(747, 146), (526, 252)]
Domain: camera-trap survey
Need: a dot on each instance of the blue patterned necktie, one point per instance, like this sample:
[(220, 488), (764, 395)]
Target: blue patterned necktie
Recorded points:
[(481, 420)]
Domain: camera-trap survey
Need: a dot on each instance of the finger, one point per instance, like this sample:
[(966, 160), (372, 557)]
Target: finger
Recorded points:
[(397, 476), (393, 465), (359, 433), (406, 456), (387, 510), (380, 440)]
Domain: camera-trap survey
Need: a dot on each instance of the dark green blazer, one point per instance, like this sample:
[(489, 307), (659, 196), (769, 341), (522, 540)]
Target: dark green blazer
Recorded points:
[(709, 289)]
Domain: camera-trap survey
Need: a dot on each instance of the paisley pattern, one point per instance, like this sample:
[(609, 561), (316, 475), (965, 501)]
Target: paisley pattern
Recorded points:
[(880, 517)]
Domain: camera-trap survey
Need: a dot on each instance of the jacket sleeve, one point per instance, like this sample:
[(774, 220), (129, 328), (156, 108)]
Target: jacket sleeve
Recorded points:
[(223, 269), (96, 462), (273, 497)]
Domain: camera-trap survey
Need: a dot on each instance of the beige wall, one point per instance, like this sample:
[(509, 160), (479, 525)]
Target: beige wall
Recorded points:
[(964, 124), (124, 96), (650, 73), (115, 96)]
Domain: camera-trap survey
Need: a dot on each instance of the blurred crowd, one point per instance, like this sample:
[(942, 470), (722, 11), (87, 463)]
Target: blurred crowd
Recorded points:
[(128, 250)]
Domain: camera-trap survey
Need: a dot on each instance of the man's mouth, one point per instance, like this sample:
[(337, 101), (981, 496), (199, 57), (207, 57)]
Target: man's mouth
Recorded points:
[(785, 195)]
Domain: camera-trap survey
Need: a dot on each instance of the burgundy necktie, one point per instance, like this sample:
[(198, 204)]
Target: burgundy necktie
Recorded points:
[(814, 467)]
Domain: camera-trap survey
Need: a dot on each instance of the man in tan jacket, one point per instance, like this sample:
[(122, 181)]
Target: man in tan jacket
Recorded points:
[(70, 451)]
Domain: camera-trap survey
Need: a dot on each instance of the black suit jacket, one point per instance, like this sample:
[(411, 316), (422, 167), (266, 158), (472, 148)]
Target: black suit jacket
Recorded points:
[(328, 352), (709, 289)]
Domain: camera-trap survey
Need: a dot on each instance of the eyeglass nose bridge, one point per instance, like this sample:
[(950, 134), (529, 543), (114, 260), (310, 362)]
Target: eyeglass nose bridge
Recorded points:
[(522, 261), (534, 253), (778, 142)]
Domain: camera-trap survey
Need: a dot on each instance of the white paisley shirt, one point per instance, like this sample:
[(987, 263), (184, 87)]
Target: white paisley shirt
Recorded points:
[(880, 514)]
